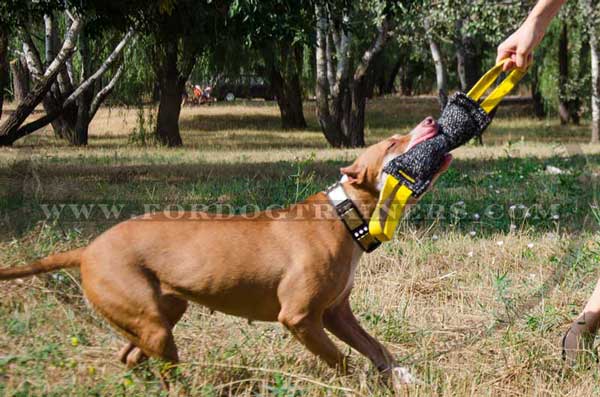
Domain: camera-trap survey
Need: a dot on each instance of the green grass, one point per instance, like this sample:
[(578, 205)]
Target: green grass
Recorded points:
[(474, 297)]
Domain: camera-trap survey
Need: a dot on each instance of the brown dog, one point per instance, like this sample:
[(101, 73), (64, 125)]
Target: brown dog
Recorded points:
[(272, 266)]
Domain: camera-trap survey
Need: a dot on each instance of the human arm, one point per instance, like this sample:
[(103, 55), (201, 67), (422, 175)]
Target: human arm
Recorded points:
[(520, 45)]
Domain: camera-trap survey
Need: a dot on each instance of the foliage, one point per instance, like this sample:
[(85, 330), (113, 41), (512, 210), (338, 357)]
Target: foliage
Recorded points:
[(143, 132)]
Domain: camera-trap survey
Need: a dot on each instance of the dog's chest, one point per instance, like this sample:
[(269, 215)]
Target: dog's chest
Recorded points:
[(356, 255)]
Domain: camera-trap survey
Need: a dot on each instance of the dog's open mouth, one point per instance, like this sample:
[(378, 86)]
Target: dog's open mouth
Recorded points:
[(429, 130)]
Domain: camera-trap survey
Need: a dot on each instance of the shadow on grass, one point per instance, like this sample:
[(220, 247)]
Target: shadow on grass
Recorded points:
[(231, 121)]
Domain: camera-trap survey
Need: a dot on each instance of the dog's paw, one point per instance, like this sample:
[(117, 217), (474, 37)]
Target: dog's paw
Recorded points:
[(402, 376)]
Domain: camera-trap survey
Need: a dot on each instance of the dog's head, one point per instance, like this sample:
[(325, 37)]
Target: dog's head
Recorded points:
[(367, 171)]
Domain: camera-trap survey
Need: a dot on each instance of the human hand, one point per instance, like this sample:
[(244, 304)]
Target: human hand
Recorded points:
[(519, 46)]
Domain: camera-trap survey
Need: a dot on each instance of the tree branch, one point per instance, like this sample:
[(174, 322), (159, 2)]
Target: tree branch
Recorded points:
[(101, 96), (103, 68), (32, 56), (329, 43), (67, 48), (49, 38), (53, 114), (377, 45), (9, 130), (343, 59)]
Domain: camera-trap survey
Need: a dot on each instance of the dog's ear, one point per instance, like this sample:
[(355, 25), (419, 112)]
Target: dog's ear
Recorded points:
[(356, 173)]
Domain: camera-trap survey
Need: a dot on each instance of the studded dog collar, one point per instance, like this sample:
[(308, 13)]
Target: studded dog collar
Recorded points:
[(351, 217)]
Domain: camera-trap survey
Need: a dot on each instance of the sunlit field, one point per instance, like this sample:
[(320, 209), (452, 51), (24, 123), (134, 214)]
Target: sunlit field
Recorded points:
[(474, 293)]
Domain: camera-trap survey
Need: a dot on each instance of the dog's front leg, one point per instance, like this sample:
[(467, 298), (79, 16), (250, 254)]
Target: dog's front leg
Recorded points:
[(308, 329), (342, 323)]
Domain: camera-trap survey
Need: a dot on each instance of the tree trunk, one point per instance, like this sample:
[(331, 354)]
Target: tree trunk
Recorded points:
[(460, 55), (376, 76), (284, 75), (79, 100), (79, 136), (155, 91), (65, 124), (406, 78), (472, 61), (563, 73), (390, 86), (468, 58), (295, 115), (9, 129), (343, 124), (575, 102), (75, 119), (354, 125), (171, 89), (328, 124), (3, 64), (20, 79), (538, 101), (595, 59), (438, 62)]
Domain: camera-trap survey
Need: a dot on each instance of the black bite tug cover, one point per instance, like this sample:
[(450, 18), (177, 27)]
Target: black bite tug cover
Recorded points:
[(461, 120)]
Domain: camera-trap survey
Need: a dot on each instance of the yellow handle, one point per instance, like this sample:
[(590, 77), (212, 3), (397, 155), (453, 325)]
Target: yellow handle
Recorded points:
[(499, 92), (389, 210)]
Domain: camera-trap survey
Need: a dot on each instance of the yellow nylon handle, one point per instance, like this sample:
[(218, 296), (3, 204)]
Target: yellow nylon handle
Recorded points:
[(499, 92), (389, 210)]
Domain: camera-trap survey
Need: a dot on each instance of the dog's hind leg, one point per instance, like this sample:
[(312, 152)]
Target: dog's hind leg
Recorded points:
[(173, 309), (132, 304)]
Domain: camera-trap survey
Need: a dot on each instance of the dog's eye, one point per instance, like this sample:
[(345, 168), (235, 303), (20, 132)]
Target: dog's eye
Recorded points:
[(391, 145)]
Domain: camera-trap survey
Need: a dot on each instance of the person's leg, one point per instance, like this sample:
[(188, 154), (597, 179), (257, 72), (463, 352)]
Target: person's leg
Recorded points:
[(580, 336)]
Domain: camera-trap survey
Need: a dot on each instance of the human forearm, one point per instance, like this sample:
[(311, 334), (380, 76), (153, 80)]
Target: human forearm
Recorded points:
[(544, 11), (519, 46)]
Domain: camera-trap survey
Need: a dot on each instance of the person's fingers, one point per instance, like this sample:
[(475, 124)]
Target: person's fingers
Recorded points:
[(501, 55), (521, 59), (504, 51), (510, 63)]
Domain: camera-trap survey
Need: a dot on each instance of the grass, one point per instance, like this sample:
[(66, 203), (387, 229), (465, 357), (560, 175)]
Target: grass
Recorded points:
[(473, 294)]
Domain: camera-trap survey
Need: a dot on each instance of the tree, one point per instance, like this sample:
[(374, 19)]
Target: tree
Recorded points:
[(592, 12), (70, 104), (278, 30), (11, 129), (441, 76), (3, 64), (12, 14), (52, 73), (342, 118), (563, 73), (20, 77), (72, 120), (536, 93), (178, 31)]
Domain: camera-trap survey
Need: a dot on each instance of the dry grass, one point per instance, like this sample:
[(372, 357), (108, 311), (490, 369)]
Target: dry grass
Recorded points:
[(472, 315)]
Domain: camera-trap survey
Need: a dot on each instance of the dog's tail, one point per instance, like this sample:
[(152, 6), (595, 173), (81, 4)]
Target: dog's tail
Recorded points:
[(53, 262)]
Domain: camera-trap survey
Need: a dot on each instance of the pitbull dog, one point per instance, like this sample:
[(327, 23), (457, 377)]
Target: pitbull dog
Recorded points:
[(272, 266)]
